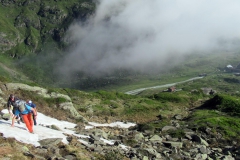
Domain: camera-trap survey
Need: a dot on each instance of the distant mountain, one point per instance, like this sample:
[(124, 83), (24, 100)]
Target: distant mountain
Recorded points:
[(26, 26)]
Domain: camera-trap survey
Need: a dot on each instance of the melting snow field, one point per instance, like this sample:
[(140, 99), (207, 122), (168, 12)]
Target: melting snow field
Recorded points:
[(20, 132)]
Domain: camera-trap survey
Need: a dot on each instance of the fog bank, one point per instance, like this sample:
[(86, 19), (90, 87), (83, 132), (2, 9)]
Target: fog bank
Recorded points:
[(148, 35)]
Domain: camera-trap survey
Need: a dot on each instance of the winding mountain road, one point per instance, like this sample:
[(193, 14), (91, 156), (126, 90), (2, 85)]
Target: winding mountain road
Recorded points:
[(136, 91)]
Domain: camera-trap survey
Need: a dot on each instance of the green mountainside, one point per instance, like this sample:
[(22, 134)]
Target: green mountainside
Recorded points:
[(26, 26), (31, 35)]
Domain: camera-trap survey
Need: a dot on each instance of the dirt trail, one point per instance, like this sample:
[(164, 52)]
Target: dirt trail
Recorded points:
[(136, 91)]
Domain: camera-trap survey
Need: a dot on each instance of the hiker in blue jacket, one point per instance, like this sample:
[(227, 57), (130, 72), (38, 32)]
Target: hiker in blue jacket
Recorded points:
[(31, 104), (26, 112)]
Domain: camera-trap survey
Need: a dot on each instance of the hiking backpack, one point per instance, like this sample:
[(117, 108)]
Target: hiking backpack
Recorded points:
[(21, 105)]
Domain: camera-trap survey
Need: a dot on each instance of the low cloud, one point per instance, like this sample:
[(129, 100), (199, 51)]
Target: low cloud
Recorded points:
[(148, 35)]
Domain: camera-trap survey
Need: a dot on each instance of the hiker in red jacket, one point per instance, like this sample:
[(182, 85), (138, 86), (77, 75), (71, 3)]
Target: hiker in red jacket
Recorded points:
[(26, 112)]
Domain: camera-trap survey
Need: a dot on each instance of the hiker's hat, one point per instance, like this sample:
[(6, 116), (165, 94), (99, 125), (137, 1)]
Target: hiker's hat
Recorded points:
[(29, 101)]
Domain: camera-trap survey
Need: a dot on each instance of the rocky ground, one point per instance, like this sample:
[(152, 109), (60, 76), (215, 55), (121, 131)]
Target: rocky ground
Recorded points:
[(133, 143), (175, 141)]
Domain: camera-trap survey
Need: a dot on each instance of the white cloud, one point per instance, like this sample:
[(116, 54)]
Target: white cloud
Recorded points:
[(144, 34)]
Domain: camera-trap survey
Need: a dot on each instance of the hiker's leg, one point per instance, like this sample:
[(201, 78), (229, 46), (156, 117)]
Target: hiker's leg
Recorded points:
[(26, 120), (34, 120), (21, 118), (14, 110), (11, 112), (30, 119)]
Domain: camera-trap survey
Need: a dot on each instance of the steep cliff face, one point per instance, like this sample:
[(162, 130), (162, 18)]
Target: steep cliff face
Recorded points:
[(27, 25)]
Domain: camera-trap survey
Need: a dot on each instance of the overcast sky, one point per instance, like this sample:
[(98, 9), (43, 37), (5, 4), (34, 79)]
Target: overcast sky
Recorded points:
[(144, 35)]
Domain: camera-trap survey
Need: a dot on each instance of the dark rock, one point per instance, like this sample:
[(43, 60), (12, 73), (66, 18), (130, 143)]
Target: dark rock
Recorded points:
[(70, 157), (50, 141), (166, 128)]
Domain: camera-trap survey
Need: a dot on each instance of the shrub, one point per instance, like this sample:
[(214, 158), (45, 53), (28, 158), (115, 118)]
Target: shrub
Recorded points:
[(136, 109), (106, 95), (227, 125), (113, 155), (55, 100), (83, 109), (226, 103), (4, 79), (131, 142), (143, 127), (176, 133), (169, 97)]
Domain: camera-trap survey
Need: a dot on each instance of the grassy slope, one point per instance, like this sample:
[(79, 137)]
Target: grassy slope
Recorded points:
[(212, 64), (30, 27)]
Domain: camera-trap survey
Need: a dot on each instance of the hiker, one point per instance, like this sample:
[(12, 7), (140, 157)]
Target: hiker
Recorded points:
[(31, 104), (11, 104), (26, 112)]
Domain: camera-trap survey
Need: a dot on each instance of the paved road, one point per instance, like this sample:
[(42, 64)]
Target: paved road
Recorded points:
[(136, 91)]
